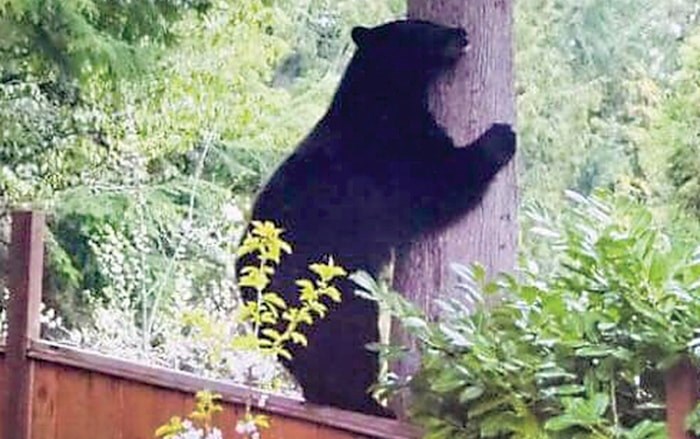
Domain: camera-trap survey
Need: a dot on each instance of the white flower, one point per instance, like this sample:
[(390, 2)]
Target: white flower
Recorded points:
[(232, 213), (246, 427), (191, 432)]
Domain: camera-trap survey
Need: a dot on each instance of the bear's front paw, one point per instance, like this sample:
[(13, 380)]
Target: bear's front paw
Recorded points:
[(499, 143)]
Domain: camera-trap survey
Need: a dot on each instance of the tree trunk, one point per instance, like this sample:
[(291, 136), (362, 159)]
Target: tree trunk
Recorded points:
[(466, 103)]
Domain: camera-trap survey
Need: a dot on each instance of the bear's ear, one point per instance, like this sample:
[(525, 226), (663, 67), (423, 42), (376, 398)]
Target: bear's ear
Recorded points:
[(359, 35)]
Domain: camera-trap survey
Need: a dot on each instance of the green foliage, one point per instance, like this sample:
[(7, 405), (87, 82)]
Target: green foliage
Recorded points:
[(576, 351), (81, 38), (588, 75), (44, 146), (671, 146), (119, 163), (693, 421)]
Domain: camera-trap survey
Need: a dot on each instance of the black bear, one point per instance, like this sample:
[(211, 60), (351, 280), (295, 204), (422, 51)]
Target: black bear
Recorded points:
[(374, 172)]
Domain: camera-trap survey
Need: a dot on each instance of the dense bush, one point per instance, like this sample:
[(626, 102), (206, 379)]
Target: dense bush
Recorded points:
[(575, 352), (671, 143)]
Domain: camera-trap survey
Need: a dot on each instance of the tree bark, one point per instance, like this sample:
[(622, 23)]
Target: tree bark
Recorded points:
[(466, 102)]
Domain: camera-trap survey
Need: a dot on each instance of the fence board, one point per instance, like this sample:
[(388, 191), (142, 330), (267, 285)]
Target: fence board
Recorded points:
[(168, 404), (681, 396), (139, 421), (172, 403), (44, 406), (146, 408), (226, 420), (335, 434), (73, 408), (281, 428), (235, 395), (106, 406), (74, 403)]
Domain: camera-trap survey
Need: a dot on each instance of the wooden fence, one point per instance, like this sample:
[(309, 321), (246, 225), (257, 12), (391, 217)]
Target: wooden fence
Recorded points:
[(49, 391)]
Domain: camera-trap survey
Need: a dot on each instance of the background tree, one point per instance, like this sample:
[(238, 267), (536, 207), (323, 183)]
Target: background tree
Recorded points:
[(670, 146), (589, 75), (77, 39)]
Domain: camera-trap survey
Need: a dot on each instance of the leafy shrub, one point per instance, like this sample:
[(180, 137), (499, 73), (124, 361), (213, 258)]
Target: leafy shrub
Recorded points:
[(575, 352)]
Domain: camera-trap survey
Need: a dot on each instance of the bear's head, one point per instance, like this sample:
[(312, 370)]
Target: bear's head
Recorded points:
[(405, 55)]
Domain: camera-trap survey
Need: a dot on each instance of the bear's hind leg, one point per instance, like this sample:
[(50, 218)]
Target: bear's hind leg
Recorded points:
[(336, 369)]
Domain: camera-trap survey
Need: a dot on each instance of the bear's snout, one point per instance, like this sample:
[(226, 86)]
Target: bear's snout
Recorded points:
[(455, 47), (462, 39)]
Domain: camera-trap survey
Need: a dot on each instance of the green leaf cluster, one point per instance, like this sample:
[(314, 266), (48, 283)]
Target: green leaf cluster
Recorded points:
[(590, 75), (75, 39), (671, 144), (576, 351)]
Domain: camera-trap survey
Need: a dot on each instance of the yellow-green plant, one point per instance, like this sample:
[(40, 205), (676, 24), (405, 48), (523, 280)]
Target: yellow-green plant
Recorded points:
[(275, 322), (199, 421)]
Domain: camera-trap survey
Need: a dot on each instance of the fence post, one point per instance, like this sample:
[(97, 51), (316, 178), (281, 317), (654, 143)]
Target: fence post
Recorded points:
[(681, 397), (25, 278)]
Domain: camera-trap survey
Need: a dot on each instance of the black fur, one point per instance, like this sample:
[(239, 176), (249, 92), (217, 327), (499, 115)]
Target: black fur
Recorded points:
[(376, 171)]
